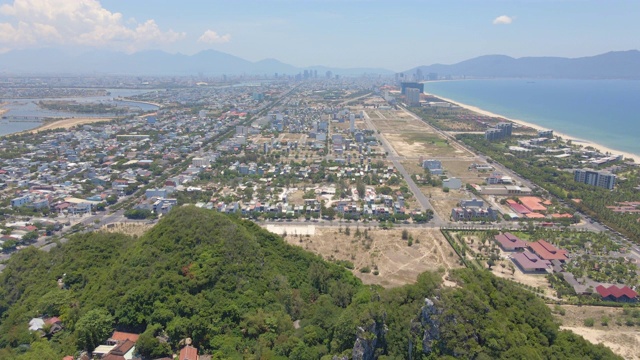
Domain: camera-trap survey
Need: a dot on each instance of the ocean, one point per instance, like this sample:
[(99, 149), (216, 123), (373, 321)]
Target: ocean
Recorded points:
[(606, 112)]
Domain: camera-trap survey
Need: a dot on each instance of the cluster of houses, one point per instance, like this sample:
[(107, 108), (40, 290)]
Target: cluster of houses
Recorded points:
[(473, 210), (542, 257), (371, 205)]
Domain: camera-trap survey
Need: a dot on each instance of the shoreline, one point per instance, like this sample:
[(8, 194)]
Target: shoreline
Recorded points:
[(574, 140), (124, 99), (64, 124)]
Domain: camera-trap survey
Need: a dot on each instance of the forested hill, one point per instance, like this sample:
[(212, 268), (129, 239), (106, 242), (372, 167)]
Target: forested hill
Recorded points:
[(241, 292)]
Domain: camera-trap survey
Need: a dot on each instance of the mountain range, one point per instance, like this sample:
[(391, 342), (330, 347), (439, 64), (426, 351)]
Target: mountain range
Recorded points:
[(154, 62), (611, 65)]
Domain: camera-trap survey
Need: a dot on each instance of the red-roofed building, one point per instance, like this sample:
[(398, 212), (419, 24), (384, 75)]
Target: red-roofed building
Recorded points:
[(534, 216), (123, 351), (618, 294), (188, 353), (520, 209), (532, 203), (529, 262), (119, 337), (547, 251), (68, 357), (510, 242)]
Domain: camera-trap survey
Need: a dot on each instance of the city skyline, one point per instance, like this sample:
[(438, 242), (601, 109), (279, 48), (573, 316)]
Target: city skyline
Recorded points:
[(395, 36)]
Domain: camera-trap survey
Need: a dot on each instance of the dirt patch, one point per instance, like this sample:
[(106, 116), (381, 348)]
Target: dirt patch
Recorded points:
[(68, 123), (292, 230), (383, 251), (137, 229), (622, 339)]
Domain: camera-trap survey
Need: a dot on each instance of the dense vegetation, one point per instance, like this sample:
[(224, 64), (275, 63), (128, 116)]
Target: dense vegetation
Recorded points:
[(241, 292)]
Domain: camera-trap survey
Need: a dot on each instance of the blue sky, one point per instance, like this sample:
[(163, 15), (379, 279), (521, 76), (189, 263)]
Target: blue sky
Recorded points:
[(397, 35)]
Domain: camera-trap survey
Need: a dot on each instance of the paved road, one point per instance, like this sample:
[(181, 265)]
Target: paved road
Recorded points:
[(394, 158)]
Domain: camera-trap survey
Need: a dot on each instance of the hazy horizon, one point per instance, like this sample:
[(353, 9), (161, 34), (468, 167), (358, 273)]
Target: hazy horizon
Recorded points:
[(345, 34)]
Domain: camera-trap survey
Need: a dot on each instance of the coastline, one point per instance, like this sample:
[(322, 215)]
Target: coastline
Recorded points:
[(64, 124), (124, 99), (575, 140)]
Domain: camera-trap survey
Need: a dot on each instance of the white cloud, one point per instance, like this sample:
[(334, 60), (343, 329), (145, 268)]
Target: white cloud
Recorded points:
[(212, 37), (76, 22), (503, 20)]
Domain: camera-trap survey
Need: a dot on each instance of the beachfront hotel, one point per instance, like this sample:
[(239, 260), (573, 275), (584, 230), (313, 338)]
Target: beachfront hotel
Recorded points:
[(601, 179)]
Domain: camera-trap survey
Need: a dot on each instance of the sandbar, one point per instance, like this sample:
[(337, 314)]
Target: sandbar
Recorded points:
[(575, 140), (67, 123)]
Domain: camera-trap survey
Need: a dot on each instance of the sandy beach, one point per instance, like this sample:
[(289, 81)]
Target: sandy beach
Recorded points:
[(575, 140), (67, 123)]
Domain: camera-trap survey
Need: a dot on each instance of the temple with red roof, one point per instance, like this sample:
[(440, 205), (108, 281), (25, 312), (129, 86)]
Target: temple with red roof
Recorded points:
[(510, 242), (547, 251), (618, 294)]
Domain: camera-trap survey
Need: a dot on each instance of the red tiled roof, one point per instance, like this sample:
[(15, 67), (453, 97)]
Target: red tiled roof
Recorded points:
[(510, 241), (122, 348), (122, 336), (52, 320), (547, 251), (530, 261), (189, 353), (532, 203), (534, 216), (562, 216), (517, 207), (68, 357), (616, 291)]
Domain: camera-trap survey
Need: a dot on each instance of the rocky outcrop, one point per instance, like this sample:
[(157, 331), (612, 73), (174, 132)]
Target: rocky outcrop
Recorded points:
[(430, 324), (368, 339)]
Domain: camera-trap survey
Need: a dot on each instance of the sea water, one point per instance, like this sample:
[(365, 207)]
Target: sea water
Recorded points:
[(605, 112), (30, 108)]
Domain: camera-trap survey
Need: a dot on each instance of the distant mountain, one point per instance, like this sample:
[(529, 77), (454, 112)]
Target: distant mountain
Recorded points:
[(153, 62), (612, 65)]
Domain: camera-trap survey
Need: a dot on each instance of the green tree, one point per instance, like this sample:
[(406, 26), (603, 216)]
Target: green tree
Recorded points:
[(93, 328), (148, 346)]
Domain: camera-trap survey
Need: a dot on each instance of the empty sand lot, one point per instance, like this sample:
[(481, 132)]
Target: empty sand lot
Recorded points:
[(622, 339), (396, 262)]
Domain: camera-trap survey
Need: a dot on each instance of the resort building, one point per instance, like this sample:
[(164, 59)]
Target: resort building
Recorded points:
[(529, 262), (546, 251), (618, 294), (510, 242), (601, 179)]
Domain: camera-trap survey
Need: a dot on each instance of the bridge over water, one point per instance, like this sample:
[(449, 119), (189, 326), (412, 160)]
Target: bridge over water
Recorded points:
[(15, 118)]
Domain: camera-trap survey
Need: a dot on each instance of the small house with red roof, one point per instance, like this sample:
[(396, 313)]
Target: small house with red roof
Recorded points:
[(546, 251), (617, 294), (188, 353), (119, 337)]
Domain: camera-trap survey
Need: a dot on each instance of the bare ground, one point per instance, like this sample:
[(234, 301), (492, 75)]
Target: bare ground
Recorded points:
[(131, 229), (623, 340), (68, 123), (397, 263)]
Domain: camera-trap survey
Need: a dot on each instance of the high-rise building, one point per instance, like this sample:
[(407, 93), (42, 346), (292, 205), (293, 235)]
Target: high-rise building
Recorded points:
[(352, 122), (506, 128), (601, 179), (413, 97), (411, 85), (501, 131)]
